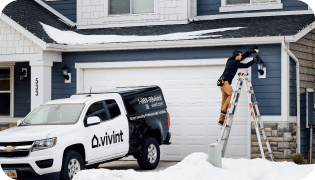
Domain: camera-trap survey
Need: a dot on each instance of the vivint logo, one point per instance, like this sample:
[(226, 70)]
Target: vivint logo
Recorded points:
[(107, 139)]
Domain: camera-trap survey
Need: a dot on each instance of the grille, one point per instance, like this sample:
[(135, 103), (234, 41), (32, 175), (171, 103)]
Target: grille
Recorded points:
[(14, 154), (16, 143)]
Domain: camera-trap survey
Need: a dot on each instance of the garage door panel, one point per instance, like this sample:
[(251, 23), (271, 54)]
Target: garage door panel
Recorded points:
[(195, 131), (193, 100)]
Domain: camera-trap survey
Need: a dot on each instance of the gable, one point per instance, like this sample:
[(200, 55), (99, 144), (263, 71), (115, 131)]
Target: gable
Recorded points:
[(13, 42)]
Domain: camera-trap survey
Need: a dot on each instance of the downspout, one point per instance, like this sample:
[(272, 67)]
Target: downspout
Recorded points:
[(297, 64)]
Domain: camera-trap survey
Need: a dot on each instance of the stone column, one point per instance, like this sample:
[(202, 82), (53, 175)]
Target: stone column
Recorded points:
[(40, 82)]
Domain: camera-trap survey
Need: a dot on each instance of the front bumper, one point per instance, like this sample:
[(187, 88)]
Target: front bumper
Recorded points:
[(27, 166)]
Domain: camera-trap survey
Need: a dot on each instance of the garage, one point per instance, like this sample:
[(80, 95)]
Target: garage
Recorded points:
[(192, 97)]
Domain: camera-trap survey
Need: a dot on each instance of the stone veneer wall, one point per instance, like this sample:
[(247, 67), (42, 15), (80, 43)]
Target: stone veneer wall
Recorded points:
[(6, 126), (282, 138)]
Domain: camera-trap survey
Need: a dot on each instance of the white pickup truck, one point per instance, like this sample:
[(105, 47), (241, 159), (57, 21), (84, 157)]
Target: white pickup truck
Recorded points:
[(62, 137)]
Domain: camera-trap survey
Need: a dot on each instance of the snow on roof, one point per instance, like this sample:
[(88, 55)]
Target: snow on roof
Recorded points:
[(72, 38), (196, 167)]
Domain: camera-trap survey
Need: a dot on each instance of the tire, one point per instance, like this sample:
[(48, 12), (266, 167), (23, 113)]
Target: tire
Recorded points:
[(150, 155), (73, 162)]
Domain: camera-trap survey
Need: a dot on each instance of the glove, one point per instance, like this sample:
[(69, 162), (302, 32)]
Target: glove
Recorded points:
[(253, 49), (256, 58)]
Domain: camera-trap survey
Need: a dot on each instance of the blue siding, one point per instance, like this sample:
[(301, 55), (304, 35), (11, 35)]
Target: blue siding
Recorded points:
[(22, 90), (68, 8), (211, 7), (268, 91), (292, 89)]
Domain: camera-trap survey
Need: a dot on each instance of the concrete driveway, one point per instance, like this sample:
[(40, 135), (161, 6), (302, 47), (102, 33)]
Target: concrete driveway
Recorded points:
[(124, 165)]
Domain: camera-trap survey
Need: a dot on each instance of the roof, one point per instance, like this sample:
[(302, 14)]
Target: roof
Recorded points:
[(29, 14)]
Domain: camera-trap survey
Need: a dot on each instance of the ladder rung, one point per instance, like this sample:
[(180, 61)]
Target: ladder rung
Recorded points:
[(261, 129), (223, 139), (265, 140)]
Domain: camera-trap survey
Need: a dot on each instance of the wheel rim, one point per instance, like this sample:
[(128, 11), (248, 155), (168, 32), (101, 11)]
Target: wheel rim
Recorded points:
[(152, 153), (73, 167)]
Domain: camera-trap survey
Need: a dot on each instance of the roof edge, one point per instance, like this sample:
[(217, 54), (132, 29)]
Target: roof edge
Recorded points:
[(304, 31), (170, 44), (23, 31), (52, 10)]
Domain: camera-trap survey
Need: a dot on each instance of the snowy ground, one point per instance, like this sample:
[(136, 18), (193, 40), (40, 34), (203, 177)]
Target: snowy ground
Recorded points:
[(196, 167)]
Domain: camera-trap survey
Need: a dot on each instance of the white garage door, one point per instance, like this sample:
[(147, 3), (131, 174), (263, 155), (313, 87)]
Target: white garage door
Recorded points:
[(193, 101)]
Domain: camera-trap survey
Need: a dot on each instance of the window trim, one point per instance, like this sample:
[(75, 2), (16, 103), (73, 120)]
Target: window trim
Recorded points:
[(249, 7), (11, 89), (130, 14)]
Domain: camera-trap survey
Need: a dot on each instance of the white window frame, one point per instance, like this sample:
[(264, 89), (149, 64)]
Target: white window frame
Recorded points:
[(249, 7), (131, 14), (11, 89)]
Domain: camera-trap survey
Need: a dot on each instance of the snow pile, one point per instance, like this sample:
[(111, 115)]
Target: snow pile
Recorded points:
[(71, 38), (196, 167)]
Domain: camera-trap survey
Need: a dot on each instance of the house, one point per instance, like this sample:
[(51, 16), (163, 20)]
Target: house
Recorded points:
[(180, 45)]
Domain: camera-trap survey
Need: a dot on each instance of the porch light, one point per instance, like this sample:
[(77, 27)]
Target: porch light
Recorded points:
[(260, 66), (22, 74), (65, 72)]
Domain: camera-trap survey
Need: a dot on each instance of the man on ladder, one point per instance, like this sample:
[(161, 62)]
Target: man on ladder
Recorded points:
[(225, 81)]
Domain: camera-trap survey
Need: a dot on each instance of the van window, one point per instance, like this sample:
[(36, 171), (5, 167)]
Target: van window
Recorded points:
[(113, 108), (97, 109)]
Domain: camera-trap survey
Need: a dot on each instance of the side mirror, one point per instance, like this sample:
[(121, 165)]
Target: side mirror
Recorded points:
[(19, 122), (93, 120)]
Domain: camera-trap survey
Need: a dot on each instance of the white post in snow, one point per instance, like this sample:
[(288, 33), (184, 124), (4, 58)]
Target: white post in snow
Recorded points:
[(215, 155), (40, 82)]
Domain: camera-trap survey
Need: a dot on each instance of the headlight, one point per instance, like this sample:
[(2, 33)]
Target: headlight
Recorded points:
[(44, 144)]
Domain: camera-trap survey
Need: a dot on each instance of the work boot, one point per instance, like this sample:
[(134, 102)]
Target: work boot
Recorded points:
[(221, 123), (223, 113)]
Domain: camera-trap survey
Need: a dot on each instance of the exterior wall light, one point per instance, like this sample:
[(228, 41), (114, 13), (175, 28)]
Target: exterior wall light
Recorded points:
[(66, 75), (23, 74), (260, 66)]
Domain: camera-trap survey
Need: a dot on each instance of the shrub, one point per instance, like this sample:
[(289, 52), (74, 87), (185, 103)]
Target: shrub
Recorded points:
[(298, 158)]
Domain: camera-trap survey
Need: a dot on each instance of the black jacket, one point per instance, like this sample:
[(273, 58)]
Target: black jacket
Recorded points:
[(232, 65)]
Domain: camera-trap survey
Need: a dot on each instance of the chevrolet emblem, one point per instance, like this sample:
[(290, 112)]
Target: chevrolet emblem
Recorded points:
[(9, 148)]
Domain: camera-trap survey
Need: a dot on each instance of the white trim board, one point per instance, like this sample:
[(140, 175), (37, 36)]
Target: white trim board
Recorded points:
[(66, 20), (250, 7), (20, 57), (23, 31), (159, 63), (259, 14), (285, 95)]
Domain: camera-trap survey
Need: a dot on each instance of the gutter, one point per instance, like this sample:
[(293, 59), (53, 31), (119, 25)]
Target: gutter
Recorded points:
[(298, 104), (168, 44)]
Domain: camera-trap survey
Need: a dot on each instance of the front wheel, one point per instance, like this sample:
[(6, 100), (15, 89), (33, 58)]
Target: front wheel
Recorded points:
[(150, 156), (72, 163)]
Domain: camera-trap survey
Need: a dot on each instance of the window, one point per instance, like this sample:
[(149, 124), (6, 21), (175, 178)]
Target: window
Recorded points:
[(249, 5), (249, 1), (113, 108), (97, 109), (131, 6), (54, 114)]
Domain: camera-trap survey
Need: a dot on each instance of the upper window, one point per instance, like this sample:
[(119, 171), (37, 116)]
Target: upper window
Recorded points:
[(131, 6), (249, 1), (249, 5)]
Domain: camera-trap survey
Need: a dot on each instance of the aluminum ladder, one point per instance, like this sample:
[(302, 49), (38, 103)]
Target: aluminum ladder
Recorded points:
[(244, 79)]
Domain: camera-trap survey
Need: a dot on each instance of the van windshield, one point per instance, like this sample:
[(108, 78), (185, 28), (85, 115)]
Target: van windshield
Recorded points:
[(54, 114)]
